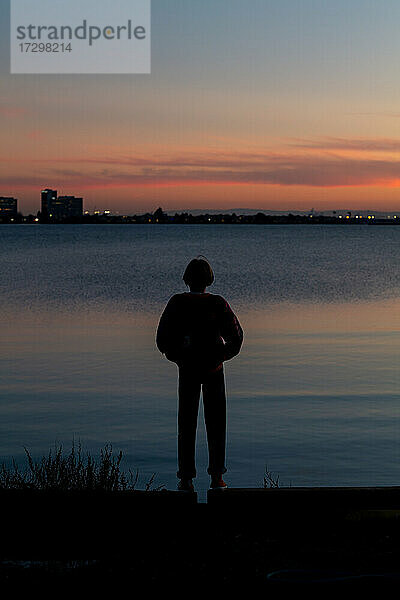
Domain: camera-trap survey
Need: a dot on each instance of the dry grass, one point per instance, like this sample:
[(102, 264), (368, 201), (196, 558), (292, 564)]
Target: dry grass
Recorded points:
[(74, 471), (270, 480)]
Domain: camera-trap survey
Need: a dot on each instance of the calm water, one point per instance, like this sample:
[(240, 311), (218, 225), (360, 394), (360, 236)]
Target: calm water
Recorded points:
[(314, 393)]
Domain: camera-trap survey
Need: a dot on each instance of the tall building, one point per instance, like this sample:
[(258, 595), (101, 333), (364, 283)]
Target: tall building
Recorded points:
[(59, 208), (8, 207), (72, 206), (49, 197)]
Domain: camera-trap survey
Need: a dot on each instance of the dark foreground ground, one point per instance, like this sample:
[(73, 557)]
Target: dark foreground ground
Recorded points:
[(62, 543)]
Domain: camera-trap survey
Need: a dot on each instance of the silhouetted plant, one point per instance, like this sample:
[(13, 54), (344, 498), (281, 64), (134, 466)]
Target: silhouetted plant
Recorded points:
[(270, 480), (72, 472)]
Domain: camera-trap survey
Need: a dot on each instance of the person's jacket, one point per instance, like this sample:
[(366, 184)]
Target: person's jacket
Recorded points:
[(199, 331)]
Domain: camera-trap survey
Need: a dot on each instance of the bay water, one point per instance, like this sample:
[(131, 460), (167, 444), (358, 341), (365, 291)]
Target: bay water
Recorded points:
[(313, 396)]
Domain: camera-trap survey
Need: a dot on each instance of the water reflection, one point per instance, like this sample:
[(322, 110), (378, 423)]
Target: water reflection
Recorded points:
[(314, 393)]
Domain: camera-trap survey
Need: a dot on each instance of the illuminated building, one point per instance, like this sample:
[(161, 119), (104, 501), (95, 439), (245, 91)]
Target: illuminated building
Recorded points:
[(8, 206), (58, 208)]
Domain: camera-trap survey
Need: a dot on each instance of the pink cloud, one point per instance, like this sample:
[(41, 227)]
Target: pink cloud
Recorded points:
[(357, 144), (35, 134), (313, 166), (14, 112)]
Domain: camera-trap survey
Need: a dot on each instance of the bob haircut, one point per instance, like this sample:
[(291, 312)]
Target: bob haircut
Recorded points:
[(198, 273)]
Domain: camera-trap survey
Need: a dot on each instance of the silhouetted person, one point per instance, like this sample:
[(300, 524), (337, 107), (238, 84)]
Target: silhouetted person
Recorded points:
[(198, 331)]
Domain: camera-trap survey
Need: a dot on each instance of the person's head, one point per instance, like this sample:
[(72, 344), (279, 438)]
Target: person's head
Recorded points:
[(198, 274)]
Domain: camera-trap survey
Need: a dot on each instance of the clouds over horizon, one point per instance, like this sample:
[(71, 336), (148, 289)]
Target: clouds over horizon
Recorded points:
[(324, 162)]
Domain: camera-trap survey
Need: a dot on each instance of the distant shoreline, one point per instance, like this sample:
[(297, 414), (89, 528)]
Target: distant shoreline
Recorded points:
[(160, 218)]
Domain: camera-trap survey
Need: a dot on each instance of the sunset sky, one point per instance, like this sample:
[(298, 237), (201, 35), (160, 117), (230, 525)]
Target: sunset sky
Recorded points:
[(281, 105)]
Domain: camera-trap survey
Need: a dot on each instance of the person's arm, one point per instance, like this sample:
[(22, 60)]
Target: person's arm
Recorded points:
[(231, 331), (166, 330)]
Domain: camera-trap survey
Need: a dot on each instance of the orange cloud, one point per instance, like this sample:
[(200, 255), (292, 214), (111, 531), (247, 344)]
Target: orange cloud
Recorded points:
[(325, 163)]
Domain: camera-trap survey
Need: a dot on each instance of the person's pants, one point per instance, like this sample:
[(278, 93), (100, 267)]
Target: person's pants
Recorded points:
[(214, 402)]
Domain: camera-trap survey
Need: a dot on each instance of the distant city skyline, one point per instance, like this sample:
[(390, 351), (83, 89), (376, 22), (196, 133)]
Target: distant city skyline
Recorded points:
[(274, 106), (81, 207), (75, 207)]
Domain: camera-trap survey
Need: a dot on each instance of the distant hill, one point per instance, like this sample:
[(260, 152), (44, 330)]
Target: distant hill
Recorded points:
[(253, 211)]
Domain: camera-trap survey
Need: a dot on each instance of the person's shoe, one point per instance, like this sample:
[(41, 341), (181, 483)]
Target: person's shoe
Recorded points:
[(185, 485), (217, 483)]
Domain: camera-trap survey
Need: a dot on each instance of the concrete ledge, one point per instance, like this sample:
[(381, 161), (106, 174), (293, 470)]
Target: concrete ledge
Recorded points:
[(94, 524), (71, 500), (296, 500), (44, 523), (91, 505)]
